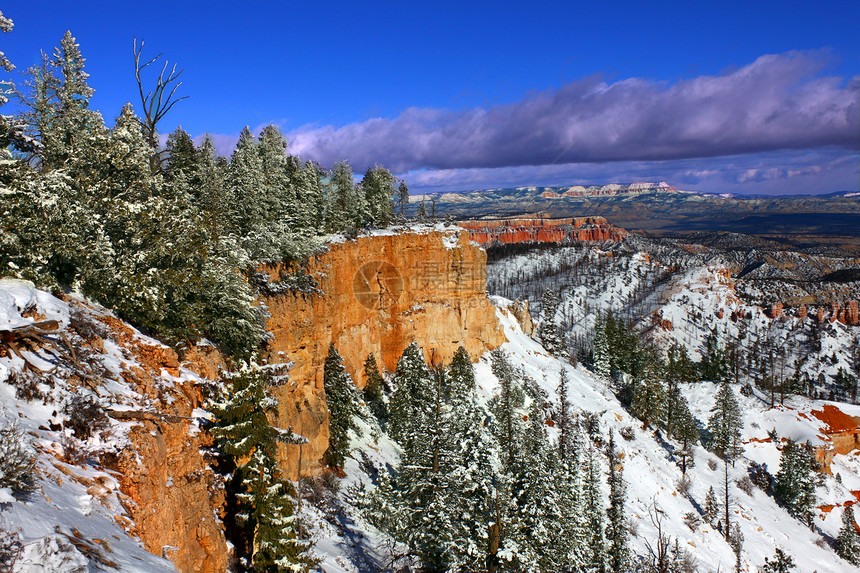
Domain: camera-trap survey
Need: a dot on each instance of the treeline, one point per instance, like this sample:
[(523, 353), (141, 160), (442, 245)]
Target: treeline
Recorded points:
[(164, 236)]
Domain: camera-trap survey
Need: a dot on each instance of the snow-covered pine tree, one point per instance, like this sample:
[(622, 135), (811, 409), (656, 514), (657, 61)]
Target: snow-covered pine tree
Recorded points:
[(460, 377), (548, 329), (649, 398), (618, 551), (377, 185), (412, 403), (602, 361), (182, 157), (505, 407), (70, 122), (725, 423), (795, 481), (781, 562), (267, 500), (711, 508), (594, 511), (846, 543), (343, 213), (374, 389), (565, 420), (246, 184), (342, 401), (402, 196)]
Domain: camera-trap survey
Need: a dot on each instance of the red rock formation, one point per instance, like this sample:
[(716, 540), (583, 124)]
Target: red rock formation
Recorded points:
[(842, 429), (852, 314), (774, 310), (380, 293), (802, 311), (542, 230), (169, 491)]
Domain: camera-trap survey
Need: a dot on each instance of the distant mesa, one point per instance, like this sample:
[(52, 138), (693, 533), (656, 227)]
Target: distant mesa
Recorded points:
[(541, 229), (602, 190)]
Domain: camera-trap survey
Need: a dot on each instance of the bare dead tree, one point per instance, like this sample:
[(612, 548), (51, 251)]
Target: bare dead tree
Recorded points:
[(157, 102)]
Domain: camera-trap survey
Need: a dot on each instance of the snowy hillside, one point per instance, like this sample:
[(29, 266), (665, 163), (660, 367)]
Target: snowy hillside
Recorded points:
[(650, 470), (73, 519)]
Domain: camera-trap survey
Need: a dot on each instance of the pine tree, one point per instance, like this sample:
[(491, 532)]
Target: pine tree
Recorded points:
[(548, 329), (247, 186), (377, 185), (782, 563), (461, 376), (374, 389), (711, 508), (412, 404), (602, 361), (616, 530), (846, 542), (594, 512), (649, 398), (17, 462), (715, 364), (250, 441), (565, 421), (736, 540), (795, 483), (403, 196), (343, 209), (505, 407), (181, 155), (724, 425), (681, 425), (342, 402)]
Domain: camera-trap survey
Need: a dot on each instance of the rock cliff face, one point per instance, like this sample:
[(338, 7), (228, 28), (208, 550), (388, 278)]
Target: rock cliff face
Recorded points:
[(542, 230), (377, 295), (171, 493)]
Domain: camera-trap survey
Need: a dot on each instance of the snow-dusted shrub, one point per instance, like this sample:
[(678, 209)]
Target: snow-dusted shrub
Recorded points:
[(86, 416), (692, 520), (17, 464), (683, 486), (10, 549), (627, 433), (712, 464), (26, 386), (88, 327), (745, 484)]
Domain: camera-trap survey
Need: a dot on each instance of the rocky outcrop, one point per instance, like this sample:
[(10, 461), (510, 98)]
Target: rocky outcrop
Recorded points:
[(376, 295), (541, 230), (170, 492)]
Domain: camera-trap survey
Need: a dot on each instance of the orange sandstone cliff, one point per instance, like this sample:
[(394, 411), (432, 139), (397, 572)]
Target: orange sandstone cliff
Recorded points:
[(377, 295), (542, 230)]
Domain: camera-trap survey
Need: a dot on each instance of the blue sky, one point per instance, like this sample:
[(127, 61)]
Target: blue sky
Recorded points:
[(744, 97)]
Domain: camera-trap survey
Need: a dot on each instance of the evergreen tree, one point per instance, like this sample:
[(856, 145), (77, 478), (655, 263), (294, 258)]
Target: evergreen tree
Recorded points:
[(682, 427), (846, 542), (342, 402), (715, 364), (505, 407), (548, 329), (403, 196), (461, 376), (679, 367), (246, 184), (602, 361), (795, 481), (649, 398), (374, 389), (782, 562), (412, 404), (724, 425), (377, 186), (594, 513), (616, 530), (343, 210), (565, 421), (182, 154), (246, 436), (711, 508)]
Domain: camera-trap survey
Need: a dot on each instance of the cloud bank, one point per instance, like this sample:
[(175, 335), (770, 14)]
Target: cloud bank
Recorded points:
[(777, 102)]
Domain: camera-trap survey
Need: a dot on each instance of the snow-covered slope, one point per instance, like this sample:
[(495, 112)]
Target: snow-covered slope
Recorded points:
[(73, 520), (650, 471)]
